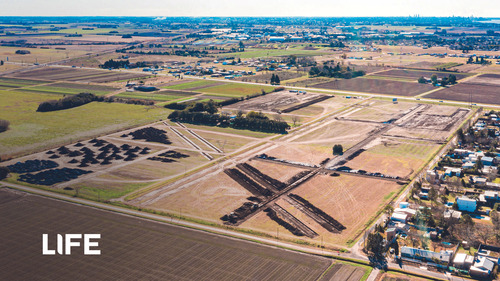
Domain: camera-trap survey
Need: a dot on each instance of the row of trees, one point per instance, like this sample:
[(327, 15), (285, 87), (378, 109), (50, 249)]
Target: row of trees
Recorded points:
[(275, 80), (451, 79), (115, 64), (66, 102), (336, 71), (255, 121)]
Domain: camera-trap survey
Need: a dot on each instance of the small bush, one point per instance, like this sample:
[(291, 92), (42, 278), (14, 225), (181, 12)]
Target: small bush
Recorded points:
[(4, 125)]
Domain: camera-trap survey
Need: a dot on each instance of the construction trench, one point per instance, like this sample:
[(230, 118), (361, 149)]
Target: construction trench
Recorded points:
[(266, 191)]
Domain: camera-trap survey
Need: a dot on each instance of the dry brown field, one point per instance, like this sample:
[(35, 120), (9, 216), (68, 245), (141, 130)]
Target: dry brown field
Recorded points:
[(376, 86), (133, 248)]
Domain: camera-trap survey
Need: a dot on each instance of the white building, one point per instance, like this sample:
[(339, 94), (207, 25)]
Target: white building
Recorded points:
[(443, 256), (463, 261), (399, 217)]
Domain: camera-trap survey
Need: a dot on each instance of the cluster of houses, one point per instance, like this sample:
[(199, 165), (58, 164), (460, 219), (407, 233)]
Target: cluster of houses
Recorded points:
[(216, 68), (480, 265)]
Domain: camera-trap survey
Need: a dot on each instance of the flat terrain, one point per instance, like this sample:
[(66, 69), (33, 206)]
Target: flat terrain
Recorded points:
[(376, 86), (133, 248), (350, 200), (477, 93), (393, 157), (76, 74), (31, 130), (415, 74)]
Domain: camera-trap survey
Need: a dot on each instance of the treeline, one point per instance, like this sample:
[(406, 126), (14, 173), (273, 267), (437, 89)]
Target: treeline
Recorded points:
[(115, 64), (66, 102), (254, 121), (336, 71), (84, 98)]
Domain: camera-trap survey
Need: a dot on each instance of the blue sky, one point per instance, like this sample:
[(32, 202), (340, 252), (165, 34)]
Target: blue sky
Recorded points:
[(334, 8)]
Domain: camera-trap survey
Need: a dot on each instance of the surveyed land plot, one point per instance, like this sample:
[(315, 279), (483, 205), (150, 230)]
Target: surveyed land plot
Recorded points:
[(349, 199), (481, 89), (376, 86)]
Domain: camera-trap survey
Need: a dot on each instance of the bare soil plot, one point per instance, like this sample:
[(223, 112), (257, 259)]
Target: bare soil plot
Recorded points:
[(393, 157), (209, 198), (304, 153), (306, 82), (337, 132), (479, 93), (377, 86), (350, 200), (486, 79), (275, 101), (378, 111), (76, 74), (226, 143), (419, 73), (276, 171), (398, 277), (134, 248), (432, 122), (340, 271)]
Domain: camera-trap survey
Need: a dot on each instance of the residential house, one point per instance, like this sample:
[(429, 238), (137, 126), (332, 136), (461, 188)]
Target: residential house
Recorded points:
[(463, 261), (399, 217), (481, 268), (466, 204), (451, 215), (443, 257)]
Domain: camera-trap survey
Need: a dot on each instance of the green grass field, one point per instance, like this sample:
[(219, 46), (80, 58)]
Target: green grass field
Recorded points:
[(101, 192), (30, 130), (192, 84), (235, 90), (17, 83), (149, 96)]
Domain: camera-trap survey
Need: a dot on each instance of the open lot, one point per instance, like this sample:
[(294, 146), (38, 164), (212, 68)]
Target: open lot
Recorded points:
[(207, 198), (276, 101), (129, 245), (337, 132), (376, 86), (415, 74), (467, 92), (393, 157), (350, 200), (76, 74)]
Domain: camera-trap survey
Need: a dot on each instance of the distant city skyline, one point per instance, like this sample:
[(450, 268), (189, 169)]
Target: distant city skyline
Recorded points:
[(198, 8)]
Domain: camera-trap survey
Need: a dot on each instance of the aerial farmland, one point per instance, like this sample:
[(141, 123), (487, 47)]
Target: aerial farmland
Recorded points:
[(305, 143)]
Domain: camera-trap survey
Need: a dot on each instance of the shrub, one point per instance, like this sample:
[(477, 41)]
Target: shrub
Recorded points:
[(4, 125)]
